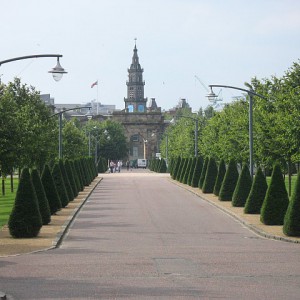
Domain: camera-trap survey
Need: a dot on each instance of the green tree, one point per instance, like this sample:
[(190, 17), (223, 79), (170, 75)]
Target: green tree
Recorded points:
[(229, 182), (242, 188), (220, 177), (257, 193), (110, 139), (25, 220), (74, 141), (41, 197), (28, 134), (276, 200)]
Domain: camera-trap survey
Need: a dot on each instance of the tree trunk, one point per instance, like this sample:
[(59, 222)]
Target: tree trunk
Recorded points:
[(11, 182), (3, 186)]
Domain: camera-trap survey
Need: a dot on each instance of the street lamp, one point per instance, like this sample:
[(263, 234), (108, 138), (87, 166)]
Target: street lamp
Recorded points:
[(57, 71), (196, 131), (60, 154), (211, 96)]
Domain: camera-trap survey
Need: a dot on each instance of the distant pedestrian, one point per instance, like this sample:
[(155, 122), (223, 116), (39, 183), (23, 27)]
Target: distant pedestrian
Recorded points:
[(111, 166), (119, 165), (127, 165)]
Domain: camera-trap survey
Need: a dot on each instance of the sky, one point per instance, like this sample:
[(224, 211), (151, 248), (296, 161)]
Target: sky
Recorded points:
[(221, 42)]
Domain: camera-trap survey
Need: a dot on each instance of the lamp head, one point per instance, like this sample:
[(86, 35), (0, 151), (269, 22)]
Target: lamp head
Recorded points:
[(212, 96), (57, 71)]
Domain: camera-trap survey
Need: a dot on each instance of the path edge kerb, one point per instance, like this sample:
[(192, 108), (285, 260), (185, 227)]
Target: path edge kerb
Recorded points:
[(230, 213), (60, 235)]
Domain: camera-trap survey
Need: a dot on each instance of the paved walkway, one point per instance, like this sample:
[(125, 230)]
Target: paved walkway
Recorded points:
[(141, 236)]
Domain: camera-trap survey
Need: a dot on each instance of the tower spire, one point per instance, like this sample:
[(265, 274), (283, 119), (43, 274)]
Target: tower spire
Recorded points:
[(135, 101)]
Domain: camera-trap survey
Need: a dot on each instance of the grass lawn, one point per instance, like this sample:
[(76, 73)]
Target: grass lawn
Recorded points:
[(7, 201)]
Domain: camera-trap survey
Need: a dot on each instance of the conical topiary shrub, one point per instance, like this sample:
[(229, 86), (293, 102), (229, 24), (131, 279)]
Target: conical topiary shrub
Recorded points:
[(276, 200), (229, 182), (25, 220), (41, 197), (50, 190), (176, 167), (257, 193), (210, 176), (183, 169), (79, 173), (71, 177), (163, 166), (291, 225), (60, 185), (178, 174), (187, 170), (191, 173), (220, 177), (66, 180), (203, 172), (242, 189), (197, 171)]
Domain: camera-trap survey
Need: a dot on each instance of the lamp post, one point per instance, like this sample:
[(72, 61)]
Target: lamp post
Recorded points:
[(57, 72), (211, 96), (196, 132), (60, 154)]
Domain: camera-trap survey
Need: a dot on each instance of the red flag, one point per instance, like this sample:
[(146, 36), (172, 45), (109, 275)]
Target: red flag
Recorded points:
[(95, 83)]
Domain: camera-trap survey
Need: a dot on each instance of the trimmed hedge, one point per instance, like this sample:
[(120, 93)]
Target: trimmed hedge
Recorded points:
[(50, 190), (60, 186), (229, 182), (276, 200), (291, 226), (210, 176), (257, 193), (183, 169), (162, 166), (41, 197), (187, 170), (25, 220), (176, 167), (203, 173), (66, 180), (71, 178), (191, 173), (197, 171), (220, 177), (180, 167), (242, 189)]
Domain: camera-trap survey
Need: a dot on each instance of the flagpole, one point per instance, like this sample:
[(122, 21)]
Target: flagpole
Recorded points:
[(97, 98)]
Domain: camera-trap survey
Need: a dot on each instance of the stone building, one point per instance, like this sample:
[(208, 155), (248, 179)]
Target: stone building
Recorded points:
[(143, 125)]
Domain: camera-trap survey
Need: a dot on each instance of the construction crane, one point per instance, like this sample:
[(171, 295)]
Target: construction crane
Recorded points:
[(217, 99)]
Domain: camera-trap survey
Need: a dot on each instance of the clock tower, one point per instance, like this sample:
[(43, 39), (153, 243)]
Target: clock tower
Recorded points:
[(135, 101)]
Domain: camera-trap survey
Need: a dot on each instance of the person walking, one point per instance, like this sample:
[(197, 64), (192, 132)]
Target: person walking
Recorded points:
[(111, 166), (119, 165), (127, 165)]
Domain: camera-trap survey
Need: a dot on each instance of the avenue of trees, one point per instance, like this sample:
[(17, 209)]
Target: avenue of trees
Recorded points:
[(29, 147), (223, 140), (223, 134), (29, 133)]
